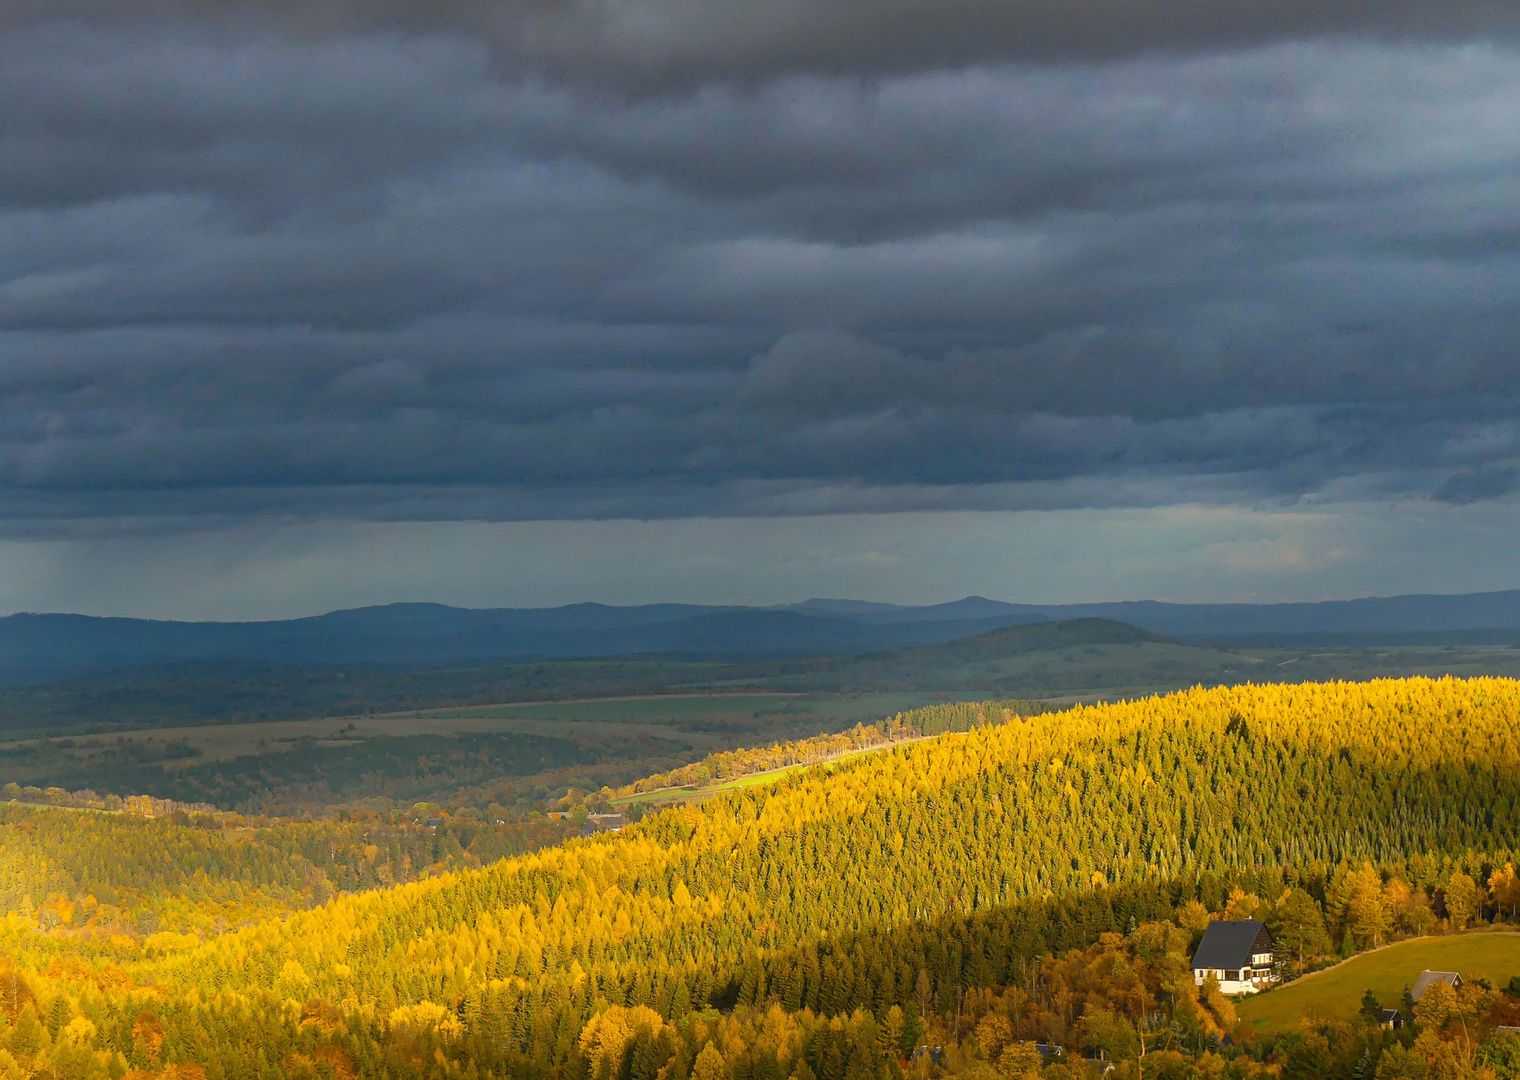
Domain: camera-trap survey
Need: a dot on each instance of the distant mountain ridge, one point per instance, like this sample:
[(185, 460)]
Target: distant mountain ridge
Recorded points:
[(1392, 614), (406, 633), (422, 632)]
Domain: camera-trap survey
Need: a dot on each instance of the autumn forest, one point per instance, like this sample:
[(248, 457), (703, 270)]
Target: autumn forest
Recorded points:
[(1017, 896)]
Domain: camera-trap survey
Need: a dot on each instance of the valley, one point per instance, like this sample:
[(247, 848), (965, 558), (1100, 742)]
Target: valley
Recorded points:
[(505, 741)]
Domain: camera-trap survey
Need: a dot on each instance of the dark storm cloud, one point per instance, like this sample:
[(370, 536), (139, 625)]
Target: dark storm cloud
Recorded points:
[(647, 43), (244, 274), (1471, 487)]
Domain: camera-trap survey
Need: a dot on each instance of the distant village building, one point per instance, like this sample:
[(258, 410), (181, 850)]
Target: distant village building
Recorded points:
[(1429, 978), (1238, 954), (1391, 1019), (604, 822), (1056, 1054), (595, 823)]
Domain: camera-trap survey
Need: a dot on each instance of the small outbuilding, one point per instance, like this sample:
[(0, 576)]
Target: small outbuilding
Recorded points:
[(1429, 978), (1237, 953)]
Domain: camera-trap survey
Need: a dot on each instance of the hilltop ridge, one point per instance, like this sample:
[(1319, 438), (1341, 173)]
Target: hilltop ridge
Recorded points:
[(44, 645)]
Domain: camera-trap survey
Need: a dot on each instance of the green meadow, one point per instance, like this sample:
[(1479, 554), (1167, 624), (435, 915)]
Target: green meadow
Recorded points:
[(1337, 991)]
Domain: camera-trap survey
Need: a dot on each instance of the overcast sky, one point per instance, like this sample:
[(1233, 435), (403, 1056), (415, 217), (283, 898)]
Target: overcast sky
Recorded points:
[(331, 303)]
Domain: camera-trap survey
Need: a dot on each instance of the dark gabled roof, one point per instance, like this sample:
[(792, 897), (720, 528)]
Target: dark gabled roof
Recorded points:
[(1229, 945), (1427, 977)]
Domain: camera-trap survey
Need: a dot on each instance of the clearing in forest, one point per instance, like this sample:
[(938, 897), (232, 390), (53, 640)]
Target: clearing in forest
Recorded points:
[(1337, 991)]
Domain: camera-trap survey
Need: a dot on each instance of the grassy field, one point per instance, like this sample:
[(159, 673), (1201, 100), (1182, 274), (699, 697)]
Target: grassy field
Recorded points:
[(1338, 991), (223, 742), (686, 708), (694, 793), (657, 710), (700, 718)]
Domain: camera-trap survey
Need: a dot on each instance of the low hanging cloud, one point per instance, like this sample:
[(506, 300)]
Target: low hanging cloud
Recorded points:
[(1476, 486), (247, 274)]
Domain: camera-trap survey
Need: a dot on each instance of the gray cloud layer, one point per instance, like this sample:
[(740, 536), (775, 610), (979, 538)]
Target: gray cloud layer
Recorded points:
[(649, 43), (364, 274)]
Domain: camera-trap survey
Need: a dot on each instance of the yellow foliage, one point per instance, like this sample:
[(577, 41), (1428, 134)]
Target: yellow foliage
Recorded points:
[(79, 1031), (167, 941), (1020, 1061), (607, 1035), (992, 1034), (426, 1016), (1220, 1007), (709, 1065), (791, 892)]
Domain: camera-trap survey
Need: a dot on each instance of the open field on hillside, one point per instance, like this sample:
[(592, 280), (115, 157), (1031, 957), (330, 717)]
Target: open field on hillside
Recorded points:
[(661, 709), (700, 720), (685, 709), (433, 755), (694, 793), (662, 797), (199, 693), (224, 742), (1337, 991)]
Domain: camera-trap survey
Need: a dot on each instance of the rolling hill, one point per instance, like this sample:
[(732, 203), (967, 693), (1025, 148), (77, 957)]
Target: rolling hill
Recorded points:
[(33, 645), (1033, 660), (49, 645), (836, 917)]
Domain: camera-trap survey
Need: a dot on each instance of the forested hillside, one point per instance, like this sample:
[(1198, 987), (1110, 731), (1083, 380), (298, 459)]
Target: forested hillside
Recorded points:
[(114, 879), (835, 917)]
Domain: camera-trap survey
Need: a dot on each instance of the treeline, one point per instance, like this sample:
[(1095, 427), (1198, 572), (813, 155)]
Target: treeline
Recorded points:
[(241, 692), (107, 883), (732, 764), (467, 770), (86, 799), (905, 878)]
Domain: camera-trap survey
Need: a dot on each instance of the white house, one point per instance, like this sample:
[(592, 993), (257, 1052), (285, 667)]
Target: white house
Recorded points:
[(1237, 954)]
